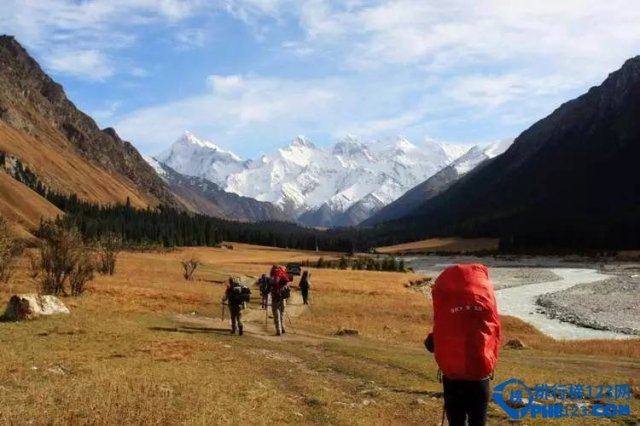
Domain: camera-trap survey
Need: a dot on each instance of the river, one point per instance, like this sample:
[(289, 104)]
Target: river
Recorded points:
[(518, 298)]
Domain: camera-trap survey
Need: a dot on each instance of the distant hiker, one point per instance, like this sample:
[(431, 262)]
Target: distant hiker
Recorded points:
[(305, 285), (263, 284), (280, 292), (236, 295), (466, 340)]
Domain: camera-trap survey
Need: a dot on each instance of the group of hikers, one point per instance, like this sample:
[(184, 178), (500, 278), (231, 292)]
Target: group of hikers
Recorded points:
[(465, 338), (275, 290)]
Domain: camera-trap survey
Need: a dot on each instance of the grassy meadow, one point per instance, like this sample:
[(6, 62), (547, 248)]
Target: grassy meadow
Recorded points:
[(147, 347)]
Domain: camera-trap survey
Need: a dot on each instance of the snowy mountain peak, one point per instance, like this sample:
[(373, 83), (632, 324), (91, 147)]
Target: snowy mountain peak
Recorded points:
[(302, 178), (452, 151), (403, 145), (498, 148), (302, 142), (190, 141), (193, 156), (349, 146), (479, 153)]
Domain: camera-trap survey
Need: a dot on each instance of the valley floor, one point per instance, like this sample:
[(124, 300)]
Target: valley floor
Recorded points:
[(147, 347)]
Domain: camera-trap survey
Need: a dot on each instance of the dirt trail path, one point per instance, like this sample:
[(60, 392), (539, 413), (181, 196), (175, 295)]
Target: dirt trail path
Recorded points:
[(258, 322)]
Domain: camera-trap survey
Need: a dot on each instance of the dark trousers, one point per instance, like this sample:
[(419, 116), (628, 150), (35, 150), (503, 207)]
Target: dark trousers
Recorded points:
[(305, 295), (466, 400), (236, 317)]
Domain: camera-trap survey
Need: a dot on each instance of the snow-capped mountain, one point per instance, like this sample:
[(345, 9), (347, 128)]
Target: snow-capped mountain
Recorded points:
[(438, 182), (192, 156), (202, 196), (478, 154), (322, 186)]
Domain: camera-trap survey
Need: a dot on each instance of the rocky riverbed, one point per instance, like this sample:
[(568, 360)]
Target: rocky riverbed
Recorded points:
[(613, 304)]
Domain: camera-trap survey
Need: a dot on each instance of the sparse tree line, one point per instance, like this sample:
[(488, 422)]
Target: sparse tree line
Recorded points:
[(360, 263)]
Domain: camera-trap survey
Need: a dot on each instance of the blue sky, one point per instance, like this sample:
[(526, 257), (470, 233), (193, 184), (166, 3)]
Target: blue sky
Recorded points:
[(249, 75)]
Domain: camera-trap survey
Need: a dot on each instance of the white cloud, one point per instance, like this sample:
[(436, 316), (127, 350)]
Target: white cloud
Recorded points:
[(510, 61), (225, 84), (234, 105), (90, 64), (107, 112), (92, 29), (491, 91), (382, 126), (360, 66)]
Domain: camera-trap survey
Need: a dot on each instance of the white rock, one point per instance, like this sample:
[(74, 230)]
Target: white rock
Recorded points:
[(30, 306)]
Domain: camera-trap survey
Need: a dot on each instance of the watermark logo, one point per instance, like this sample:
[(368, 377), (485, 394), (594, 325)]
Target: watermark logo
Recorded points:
[(557, 401)]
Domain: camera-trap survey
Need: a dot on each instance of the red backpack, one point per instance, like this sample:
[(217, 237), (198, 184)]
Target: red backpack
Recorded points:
[(466, 325), (279, 273)]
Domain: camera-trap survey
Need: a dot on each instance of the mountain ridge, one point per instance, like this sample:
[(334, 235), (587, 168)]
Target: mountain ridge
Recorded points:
[(569, 180), (439, 182), (336, 185), (37, 107)]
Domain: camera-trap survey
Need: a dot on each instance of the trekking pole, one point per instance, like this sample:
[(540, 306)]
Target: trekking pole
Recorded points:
[(289, 318), (443, 411)]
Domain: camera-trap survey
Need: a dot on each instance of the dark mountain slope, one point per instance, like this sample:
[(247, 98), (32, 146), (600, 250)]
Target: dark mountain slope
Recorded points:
[(570, 180)]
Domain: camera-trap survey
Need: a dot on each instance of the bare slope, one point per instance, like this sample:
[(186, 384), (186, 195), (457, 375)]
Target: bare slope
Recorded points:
[(49, 157), (63, 144), (23, 206)]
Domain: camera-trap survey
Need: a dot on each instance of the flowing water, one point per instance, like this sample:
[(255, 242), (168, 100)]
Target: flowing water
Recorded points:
[(521, 302)]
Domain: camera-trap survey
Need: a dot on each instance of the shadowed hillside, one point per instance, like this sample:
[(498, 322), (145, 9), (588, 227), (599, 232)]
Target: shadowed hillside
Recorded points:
[(570, 180)]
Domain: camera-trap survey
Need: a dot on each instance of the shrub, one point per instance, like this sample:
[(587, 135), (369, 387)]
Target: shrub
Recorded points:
[(343, 264), (63, 260), (10, 250), (109, 247), (34, 264), (81, 275), (189, 266)]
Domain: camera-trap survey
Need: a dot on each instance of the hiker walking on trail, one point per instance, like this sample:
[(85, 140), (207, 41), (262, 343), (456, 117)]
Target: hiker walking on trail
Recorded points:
[(236, 295), (280, 292), (263, 284), (305, 285), (465, 340)]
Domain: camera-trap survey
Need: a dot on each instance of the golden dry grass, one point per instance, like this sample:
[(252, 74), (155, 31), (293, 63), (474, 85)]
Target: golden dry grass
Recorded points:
[(122, 357), (454, 245)]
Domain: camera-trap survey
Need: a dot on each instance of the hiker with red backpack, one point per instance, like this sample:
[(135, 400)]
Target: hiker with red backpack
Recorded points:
[(465, 340), (280, 292)]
